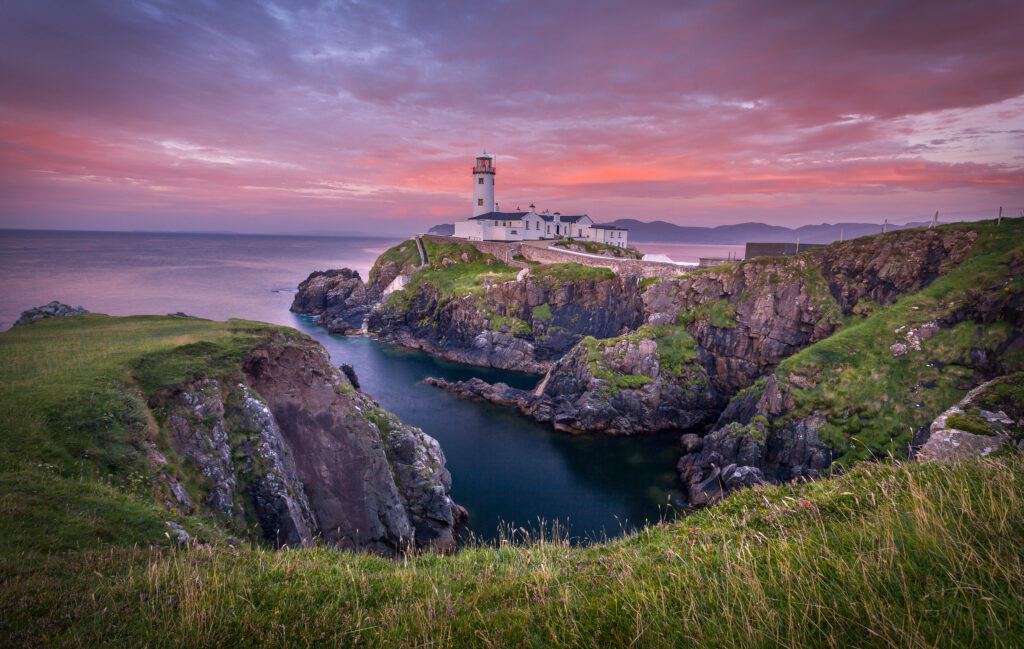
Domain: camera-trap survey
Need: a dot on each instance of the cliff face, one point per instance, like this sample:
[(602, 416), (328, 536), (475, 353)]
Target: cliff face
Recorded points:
[(469, 307), (522, 325), (372, 482), (297, 447), (774, 355), (874, 387)]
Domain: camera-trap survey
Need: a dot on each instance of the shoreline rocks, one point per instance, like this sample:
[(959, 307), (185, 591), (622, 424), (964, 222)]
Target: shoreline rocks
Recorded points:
[(52, 309)]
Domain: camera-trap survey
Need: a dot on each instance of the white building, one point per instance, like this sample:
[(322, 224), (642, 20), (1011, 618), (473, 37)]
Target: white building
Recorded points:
[(488, 224)]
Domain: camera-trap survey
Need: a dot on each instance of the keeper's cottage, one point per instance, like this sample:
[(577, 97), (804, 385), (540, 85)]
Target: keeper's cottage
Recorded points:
[(488, 224)]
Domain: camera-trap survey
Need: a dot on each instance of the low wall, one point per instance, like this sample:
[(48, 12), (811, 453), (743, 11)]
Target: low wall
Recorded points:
[(533, 252)]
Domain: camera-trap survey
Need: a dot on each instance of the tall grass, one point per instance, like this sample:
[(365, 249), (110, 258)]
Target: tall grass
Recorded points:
[(897, 555)]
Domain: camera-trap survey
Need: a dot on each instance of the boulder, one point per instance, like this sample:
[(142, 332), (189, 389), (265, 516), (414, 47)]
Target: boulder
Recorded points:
[(52, 309)]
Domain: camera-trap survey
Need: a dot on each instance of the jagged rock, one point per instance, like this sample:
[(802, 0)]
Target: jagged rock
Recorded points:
[(195, 417), (177, 534), (350, 374), (371, 481), (52, 309), (259, 467), (743, 454), (691, 443), (338, 297), (951, 444), (179, 492), (990, 430)]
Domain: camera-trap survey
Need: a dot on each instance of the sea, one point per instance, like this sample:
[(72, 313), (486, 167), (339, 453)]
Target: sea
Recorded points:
[(513, 475)]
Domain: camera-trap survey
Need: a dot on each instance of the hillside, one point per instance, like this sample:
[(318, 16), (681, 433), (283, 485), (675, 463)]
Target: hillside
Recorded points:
[(124, 430), (782, 365)]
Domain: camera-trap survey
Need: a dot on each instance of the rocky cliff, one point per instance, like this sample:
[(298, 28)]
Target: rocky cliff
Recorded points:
[(288, 440), (771, 356), (467, 306), (874, 387)]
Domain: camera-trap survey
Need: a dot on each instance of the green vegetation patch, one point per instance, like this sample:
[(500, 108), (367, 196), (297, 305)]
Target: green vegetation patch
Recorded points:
[(970, 422), (571, 272), (597, 248), (874, 400), (542, 313), (718, 313), (405, 255), (75, 429), (914, 555)]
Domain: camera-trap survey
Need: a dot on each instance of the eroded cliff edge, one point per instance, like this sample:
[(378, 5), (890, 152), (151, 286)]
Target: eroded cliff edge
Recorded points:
[(284, 439)]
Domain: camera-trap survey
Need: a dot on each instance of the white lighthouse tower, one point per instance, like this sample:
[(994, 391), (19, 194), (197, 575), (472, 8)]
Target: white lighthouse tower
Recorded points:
[(483, 184)]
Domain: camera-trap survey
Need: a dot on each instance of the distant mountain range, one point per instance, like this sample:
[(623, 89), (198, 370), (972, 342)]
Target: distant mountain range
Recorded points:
[(740, 233)]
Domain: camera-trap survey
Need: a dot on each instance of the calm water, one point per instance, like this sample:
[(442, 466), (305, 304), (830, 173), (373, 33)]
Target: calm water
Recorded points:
[(690, 251), (505, 468)]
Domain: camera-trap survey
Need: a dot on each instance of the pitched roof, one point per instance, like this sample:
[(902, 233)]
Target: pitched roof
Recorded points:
[(499, 216), (563, 217), (598, 226)]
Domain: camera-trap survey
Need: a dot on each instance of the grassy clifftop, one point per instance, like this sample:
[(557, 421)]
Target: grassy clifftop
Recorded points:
[(905, 555), (75, 429), (886, 555)]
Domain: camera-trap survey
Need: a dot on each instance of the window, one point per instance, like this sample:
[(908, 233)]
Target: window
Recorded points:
[(549, 229), (480, 180), (480, 202)]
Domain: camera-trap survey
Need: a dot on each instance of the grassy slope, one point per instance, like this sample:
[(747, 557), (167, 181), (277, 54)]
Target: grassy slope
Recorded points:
[(874, 400), (884, 556), (596, 248), (74, 425), (468, 276)]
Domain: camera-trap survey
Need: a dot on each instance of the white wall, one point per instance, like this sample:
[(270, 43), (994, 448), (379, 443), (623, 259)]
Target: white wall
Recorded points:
[(483, 192), (472, 230)]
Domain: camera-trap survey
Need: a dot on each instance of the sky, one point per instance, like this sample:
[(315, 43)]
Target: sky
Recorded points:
[(365, 116)]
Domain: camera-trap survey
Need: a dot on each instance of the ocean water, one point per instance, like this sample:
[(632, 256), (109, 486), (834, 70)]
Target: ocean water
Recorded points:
[(690, 252), (507, 470)]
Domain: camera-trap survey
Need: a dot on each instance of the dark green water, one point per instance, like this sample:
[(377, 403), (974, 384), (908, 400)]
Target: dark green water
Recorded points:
[(505, 468)]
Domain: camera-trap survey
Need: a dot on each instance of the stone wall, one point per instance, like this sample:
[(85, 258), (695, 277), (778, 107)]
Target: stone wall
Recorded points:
[(544, 255)]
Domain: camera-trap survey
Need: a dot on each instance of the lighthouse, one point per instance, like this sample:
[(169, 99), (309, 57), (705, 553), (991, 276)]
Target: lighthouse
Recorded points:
[(483, 184)]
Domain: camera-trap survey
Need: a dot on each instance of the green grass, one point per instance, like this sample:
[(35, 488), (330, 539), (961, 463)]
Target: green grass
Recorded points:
[(542, 313), (874, 400), (571, 272), (405, 255), (884, 556), (597, 248), (75, 427)]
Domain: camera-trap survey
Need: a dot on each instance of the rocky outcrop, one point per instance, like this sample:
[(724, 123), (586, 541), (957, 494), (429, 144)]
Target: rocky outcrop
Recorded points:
[(372, 482), (879, 269), (747, 450), (52, 309), (625, 386), (254, 468), (523, 325), (338, 298), (989, 418), (296, 448)]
